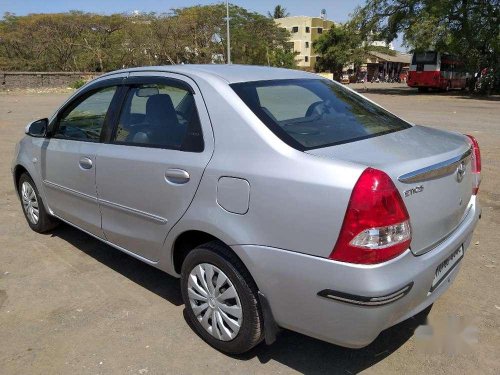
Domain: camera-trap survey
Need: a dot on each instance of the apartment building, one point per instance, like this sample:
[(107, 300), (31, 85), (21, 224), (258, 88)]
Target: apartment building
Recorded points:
[(304, 31)]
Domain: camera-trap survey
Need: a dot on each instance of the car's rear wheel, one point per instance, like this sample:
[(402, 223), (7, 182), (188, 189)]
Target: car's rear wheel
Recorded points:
[(33, 208), (221, 299)]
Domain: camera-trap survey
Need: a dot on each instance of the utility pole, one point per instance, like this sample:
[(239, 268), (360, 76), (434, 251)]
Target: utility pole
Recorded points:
[(228, 36)]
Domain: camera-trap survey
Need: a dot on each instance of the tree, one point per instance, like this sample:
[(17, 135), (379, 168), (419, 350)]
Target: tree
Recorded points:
[(101, 40), (40, 41), (91, 42), (279, 12), (340, 46), (255, 38), (283, 58), (467, 28)]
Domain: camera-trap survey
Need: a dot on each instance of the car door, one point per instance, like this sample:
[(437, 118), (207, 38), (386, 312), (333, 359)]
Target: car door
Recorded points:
[(68, 158), (150, 170)]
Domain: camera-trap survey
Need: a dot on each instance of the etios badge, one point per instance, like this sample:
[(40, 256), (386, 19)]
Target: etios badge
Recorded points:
[(415, 190)]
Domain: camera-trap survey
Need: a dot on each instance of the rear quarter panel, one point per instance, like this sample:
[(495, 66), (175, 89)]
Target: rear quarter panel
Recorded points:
[(297, 201)]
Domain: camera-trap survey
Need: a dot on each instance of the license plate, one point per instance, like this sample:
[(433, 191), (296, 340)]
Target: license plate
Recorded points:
[(443, 270)]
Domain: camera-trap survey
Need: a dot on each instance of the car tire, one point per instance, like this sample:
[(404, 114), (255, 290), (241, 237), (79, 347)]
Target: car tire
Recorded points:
[(238, 321), (33, 207)]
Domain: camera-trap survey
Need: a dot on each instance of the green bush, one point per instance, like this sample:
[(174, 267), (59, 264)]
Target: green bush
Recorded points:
[(489, 83), (78, 83)]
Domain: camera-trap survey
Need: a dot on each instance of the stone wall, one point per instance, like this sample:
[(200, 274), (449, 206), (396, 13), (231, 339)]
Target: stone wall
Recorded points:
[(22, 80)]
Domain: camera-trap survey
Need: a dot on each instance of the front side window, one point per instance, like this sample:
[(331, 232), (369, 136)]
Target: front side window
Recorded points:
[(314, 113), (85, 120), (162, 116)]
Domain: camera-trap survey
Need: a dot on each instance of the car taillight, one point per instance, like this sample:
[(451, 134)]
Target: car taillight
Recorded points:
[(376, 225), (475, 164)]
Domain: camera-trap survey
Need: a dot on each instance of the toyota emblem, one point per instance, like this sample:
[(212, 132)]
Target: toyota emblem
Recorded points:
[(460, 172)]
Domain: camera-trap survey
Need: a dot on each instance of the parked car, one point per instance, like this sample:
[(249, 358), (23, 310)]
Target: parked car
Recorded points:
[(281, 199)]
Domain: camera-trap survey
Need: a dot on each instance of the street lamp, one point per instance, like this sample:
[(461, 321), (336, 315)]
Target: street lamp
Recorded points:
[(228, 37)]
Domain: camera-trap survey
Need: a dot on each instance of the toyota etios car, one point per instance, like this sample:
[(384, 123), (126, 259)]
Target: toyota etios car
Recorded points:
[(280, 199)]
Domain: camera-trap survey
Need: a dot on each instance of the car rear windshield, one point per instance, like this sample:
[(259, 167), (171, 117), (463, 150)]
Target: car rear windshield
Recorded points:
[(315, 113)]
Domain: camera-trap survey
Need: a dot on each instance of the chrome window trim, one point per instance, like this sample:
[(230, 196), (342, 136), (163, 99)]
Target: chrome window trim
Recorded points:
[(441, 169)]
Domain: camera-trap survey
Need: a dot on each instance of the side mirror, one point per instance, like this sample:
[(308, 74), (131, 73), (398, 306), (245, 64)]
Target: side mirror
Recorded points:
[(37, 128)]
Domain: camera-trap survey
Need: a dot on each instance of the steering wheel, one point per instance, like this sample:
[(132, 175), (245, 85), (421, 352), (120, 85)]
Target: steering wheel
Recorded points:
[(75, 132)]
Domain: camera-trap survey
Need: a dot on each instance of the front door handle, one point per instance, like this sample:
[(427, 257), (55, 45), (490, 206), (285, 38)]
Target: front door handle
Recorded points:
[(177, 176), (85, 162)]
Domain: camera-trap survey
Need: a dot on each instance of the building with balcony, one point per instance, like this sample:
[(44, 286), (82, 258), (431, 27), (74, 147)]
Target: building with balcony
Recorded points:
[(304, 31)]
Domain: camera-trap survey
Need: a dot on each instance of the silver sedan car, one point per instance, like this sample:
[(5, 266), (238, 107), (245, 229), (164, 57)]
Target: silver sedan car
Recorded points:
[(281, 199)]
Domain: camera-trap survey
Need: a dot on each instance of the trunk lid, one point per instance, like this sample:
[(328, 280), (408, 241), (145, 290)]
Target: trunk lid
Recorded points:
[(423, 164)]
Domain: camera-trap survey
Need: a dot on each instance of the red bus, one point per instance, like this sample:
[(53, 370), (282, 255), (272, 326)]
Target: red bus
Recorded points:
[(435, 70)]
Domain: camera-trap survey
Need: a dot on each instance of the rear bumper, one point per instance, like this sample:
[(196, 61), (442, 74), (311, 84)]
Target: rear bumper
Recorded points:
[(291, 282)]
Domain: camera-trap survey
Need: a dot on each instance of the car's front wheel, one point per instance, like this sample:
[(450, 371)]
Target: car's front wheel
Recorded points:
[(33, 208), (221, 299)]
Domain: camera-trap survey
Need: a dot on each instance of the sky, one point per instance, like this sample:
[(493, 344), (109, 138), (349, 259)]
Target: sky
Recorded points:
[(336, 10)]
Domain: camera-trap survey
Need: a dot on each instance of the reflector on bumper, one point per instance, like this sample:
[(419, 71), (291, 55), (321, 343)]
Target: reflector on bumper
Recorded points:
[(366, 301)]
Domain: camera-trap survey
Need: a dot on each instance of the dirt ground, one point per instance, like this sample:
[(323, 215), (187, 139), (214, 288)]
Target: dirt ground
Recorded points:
[(72, 305)]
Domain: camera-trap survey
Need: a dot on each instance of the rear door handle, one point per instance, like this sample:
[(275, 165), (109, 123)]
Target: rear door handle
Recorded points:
[(177, 176), (85, 162)]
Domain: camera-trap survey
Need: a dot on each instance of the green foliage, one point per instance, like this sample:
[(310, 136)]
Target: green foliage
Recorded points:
[(78, 83), (89, 42), (341, 45), (487, 84), (382, 49), (279, 12), (283, 58), (467, 28)]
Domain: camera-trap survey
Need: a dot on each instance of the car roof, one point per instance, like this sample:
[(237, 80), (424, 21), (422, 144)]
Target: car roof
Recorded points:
[(231, 73)]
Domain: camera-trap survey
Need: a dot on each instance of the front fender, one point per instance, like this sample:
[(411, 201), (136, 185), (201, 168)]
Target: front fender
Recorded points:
[(27, 157)]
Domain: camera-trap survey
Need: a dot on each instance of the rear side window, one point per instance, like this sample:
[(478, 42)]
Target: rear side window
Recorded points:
[(84, 121), (315, 113), (162, 116)]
